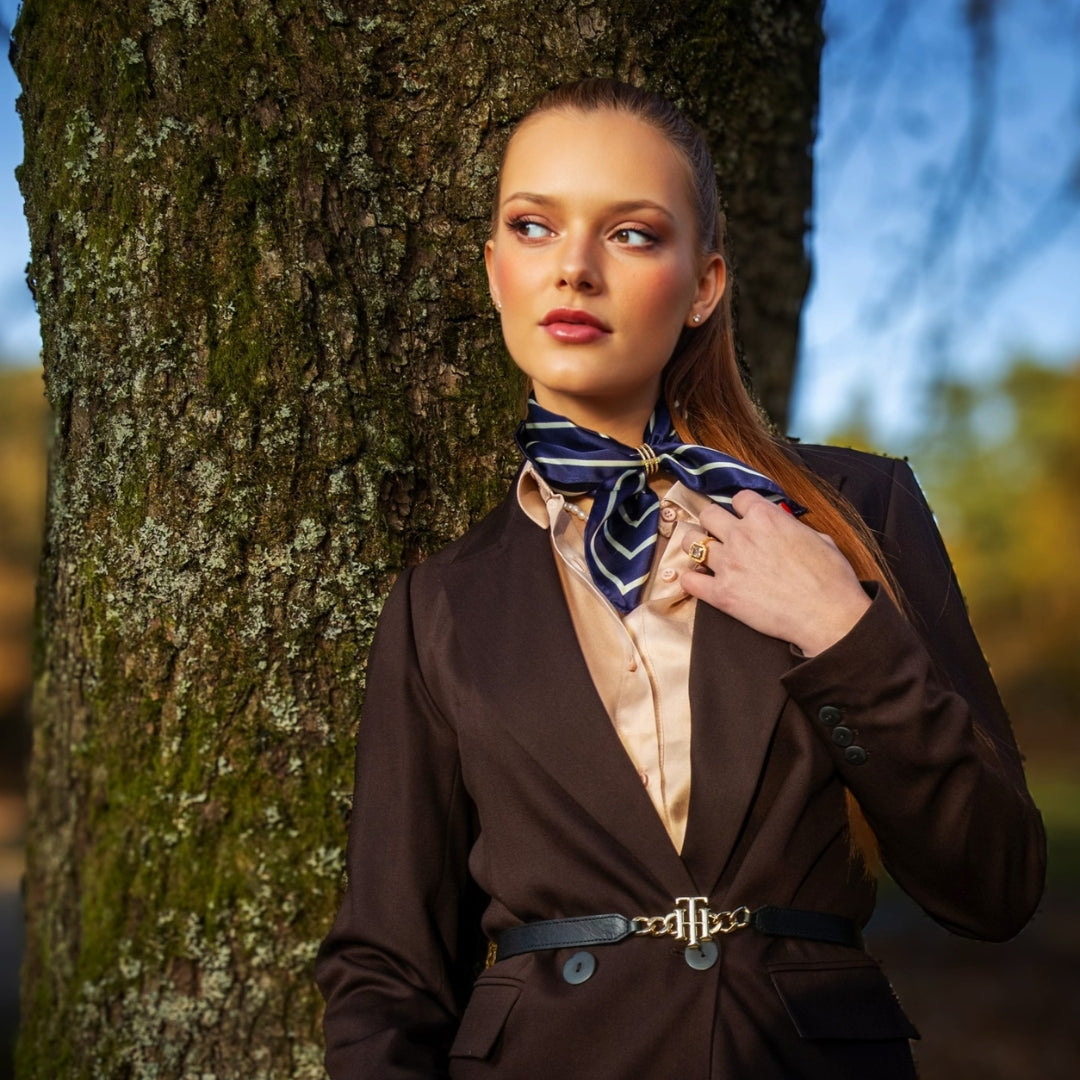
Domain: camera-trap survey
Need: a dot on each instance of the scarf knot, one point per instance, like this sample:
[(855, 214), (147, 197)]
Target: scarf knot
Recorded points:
[(621, 531)]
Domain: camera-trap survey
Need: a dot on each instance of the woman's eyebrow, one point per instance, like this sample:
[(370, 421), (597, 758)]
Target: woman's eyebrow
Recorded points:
[(627, 206), (528, 196), (631, 205)]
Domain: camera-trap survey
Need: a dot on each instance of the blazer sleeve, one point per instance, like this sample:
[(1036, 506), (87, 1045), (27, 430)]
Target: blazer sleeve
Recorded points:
[(393, 968), (909, 711)]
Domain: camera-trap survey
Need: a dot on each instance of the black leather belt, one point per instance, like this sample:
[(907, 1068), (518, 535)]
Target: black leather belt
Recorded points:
[(691, 922)]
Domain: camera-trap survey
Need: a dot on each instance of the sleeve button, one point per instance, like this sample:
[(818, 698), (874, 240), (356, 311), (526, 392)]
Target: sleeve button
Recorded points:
[(830, 715), (855, 755), (843, 736)]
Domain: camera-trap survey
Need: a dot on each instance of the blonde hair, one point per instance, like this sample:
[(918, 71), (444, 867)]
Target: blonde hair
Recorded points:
[(702, 384)]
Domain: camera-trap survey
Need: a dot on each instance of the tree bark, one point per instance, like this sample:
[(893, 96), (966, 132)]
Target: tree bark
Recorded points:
[(256, 232)]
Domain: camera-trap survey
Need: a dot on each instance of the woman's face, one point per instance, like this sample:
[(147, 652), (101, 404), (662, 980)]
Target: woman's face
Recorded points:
[(595, 264)]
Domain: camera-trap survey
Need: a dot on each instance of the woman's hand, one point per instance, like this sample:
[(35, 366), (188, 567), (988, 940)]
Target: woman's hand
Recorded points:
[(775, 574)]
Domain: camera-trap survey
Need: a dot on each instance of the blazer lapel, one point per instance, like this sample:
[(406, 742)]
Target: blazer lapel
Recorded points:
[(509, 608), (735, 700)]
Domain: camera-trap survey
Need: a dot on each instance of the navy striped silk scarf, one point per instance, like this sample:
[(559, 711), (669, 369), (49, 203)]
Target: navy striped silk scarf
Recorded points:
[(620, 534)]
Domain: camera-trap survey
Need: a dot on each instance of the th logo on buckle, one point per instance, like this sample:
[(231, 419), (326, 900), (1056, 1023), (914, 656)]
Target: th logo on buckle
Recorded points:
[(691, 917)]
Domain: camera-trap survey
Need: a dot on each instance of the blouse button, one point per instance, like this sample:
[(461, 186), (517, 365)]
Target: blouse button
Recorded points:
[(632, 666), (668, 513), (645, 779), (668, 573)]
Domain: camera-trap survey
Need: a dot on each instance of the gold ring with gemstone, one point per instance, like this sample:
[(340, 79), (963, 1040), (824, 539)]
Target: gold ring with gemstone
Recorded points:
[(699, 549)]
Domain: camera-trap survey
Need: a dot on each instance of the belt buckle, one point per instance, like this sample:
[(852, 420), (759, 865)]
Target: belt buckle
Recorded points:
[(692, 921)]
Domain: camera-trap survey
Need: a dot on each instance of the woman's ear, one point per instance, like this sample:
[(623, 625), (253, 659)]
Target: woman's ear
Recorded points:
[(489, 262), (710, 288)]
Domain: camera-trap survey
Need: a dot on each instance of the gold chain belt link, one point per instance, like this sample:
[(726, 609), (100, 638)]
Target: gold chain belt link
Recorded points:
[(692, 921)]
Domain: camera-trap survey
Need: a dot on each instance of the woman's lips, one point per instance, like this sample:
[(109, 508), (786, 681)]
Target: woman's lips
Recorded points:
[(574, 327), (574, 333)]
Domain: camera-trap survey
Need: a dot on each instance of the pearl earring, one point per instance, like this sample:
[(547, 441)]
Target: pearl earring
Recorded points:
[(697, 319)]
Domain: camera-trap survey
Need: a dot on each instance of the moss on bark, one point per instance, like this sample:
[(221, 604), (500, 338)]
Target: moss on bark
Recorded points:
[(256, 229)]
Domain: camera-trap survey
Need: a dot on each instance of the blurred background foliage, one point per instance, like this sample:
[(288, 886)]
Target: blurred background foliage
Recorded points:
[(1003, 462), (1000, 463), (23, 426)]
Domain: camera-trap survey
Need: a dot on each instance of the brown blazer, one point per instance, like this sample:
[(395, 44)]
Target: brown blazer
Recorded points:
[(489, 778)]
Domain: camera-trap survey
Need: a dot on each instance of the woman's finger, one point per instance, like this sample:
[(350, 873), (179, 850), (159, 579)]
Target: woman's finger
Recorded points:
[(717, 520)]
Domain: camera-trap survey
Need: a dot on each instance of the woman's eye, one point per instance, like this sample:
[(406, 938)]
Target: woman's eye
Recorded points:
[(634, 237), (528, 230)]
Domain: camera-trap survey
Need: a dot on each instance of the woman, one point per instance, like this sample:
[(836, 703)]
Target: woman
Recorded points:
[(645, 723)]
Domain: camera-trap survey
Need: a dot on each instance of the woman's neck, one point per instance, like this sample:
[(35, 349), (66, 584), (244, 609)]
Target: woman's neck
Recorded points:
[(621, 421)]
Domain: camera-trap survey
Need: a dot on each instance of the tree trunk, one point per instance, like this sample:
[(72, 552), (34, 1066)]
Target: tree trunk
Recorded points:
[(256, 229)]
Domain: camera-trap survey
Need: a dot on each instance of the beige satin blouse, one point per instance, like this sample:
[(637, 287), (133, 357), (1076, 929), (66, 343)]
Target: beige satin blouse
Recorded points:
[(640, 662)]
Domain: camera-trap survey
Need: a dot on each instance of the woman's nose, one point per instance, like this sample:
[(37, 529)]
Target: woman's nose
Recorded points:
[(578, 266)]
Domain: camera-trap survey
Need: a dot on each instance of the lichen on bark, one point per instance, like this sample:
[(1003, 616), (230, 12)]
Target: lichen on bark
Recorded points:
[(256, 230)]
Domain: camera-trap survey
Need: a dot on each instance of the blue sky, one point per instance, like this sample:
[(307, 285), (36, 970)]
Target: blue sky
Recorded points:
[(19, 338), (891, 301), (895, 298)]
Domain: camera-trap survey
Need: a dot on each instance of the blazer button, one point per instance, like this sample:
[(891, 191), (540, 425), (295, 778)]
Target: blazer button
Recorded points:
[(703, 956), (842, 736), (579, 968), (855, 755), (830, 715)]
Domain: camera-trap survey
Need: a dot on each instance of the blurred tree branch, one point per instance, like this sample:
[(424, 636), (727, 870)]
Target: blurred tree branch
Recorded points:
[(985, 218)]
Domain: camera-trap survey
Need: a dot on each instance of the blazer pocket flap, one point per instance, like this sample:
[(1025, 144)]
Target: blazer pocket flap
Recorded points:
[(850, 1001), (484, 1017)]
